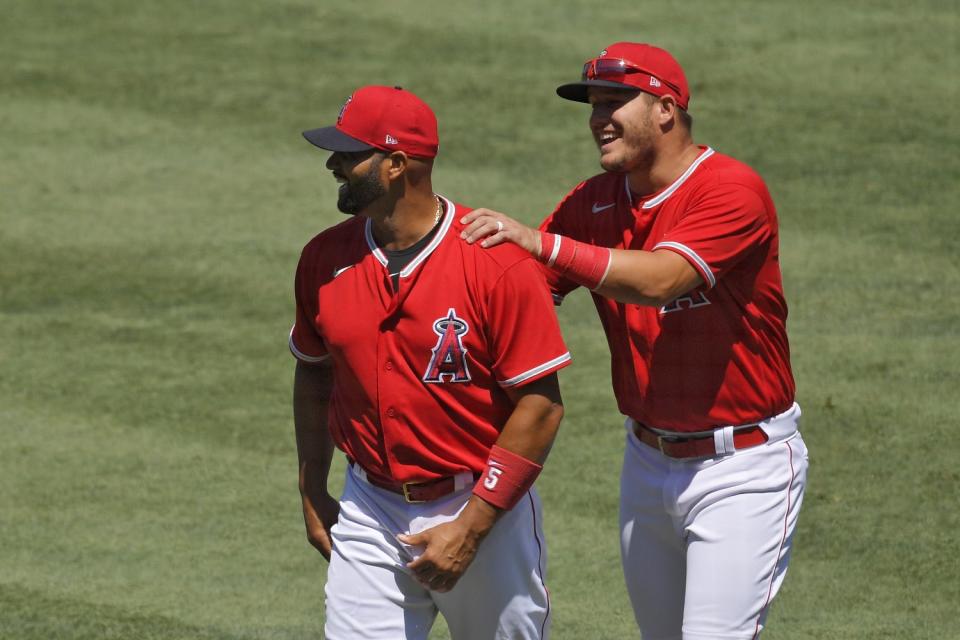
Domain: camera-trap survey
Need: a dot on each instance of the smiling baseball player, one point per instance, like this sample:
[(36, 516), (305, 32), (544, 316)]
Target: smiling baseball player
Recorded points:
[(679, 245), (432, 365)]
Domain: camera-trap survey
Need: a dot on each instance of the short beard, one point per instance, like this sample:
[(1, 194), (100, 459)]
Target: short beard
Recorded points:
[(356, 196), (641, 141)]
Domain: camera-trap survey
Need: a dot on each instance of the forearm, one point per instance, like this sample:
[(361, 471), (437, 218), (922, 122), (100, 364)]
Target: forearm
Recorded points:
[(629, 276), (529, 433), (311, 395), (532, 427), (520, 451), (647, 278)]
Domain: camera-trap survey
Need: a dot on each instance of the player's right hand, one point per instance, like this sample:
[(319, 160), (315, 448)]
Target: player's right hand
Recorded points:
[(320, 509), (320, 513), (491, 228)]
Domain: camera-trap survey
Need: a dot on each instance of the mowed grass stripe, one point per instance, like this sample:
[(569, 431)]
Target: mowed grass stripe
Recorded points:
[(135, 518), (31, 614)]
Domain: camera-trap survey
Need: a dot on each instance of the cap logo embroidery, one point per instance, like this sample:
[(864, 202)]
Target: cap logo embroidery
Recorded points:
[(654, 82), (343, 108), (391, 140)]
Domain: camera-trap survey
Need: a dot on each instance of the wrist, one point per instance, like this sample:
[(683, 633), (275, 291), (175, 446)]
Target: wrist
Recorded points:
[(479, 516), (547, 245), (508, 477), (583, 263)]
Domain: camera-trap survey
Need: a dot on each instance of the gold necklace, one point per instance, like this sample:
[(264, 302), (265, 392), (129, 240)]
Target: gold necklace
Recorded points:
[(436, 216)]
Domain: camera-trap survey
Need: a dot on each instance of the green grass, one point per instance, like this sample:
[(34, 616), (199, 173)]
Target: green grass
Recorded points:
[(155, 193)]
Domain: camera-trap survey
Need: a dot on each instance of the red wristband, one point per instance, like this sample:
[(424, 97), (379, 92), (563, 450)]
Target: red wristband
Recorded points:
[(507, 478), (547, 243), (583, 263)]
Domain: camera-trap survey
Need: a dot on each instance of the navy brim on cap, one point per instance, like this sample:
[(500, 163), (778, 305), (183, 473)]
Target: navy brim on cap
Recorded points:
[(332, 139), (577, 91)]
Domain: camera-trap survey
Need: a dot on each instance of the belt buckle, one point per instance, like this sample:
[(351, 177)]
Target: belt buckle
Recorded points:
[(406, 493), (660, 440)]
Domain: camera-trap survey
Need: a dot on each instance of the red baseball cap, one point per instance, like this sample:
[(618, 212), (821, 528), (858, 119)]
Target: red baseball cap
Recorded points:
[(634, 66), (386, 118)]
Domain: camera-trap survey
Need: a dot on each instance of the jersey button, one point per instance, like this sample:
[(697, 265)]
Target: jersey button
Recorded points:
[(388, 366), (391, 413)]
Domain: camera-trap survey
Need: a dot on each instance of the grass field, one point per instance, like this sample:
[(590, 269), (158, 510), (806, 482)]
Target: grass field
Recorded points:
[(155, 194)]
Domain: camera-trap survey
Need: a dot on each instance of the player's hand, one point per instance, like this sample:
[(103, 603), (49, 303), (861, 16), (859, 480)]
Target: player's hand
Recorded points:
[(451, 546), (320, 511), (492, 228), (319, 516)]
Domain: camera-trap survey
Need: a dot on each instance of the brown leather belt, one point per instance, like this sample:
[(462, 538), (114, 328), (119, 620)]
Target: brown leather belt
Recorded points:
[(416, 492), (700, 445)]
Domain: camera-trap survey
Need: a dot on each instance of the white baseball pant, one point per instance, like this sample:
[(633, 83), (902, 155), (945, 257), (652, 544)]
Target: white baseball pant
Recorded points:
[(370, 594), (705, 542)]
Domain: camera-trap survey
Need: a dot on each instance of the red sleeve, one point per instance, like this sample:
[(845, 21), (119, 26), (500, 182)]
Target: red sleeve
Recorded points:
[(306, 344), (523, 327), (719, 229)]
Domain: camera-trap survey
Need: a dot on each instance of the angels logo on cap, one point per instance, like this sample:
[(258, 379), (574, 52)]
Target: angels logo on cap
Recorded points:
[(342, 109), (380, 117)]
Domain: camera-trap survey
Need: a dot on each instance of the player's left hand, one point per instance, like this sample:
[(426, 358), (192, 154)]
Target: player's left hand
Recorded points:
[(450, 547), (493, 228)]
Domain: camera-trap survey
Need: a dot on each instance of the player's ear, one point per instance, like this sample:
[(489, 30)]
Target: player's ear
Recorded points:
[(396, 165), (665, 111)]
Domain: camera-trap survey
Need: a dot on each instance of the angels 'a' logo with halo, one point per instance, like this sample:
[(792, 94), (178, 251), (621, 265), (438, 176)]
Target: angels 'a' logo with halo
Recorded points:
[(449, 361)]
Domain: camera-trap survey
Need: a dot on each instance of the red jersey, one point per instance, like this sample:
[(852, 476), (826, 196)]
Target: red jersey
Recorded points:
[(719, 354), (420, 372)]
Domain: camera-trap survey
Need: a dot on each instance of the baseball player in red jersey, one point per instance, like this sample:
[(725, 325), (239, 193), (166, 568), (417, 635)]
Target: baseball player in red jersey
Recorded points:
[(679, 247), (432, 365)]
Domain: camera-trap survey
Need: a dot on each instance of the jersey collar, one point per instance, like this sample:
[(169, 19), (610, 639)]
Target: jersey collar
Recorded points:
[(669, 191), (449, 214)]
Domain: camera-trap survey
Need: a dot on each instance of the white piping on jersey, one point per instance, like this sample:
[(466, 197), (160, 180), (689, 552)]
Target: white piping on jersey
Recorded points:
[(368, 234), (300, 355), (690, 253), (649, 204), (427, 250), (526, 375)]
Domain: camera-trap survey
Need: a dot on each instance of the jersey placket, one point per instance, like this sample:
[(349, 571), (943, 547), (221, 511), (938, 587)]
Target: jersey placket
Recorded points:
[(389, 383), (392, 386)]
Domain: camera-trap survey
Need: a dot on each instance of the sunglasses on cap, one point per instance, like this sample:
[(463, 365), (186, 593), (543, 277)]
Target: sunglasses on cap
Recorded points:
[(617, 70)]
